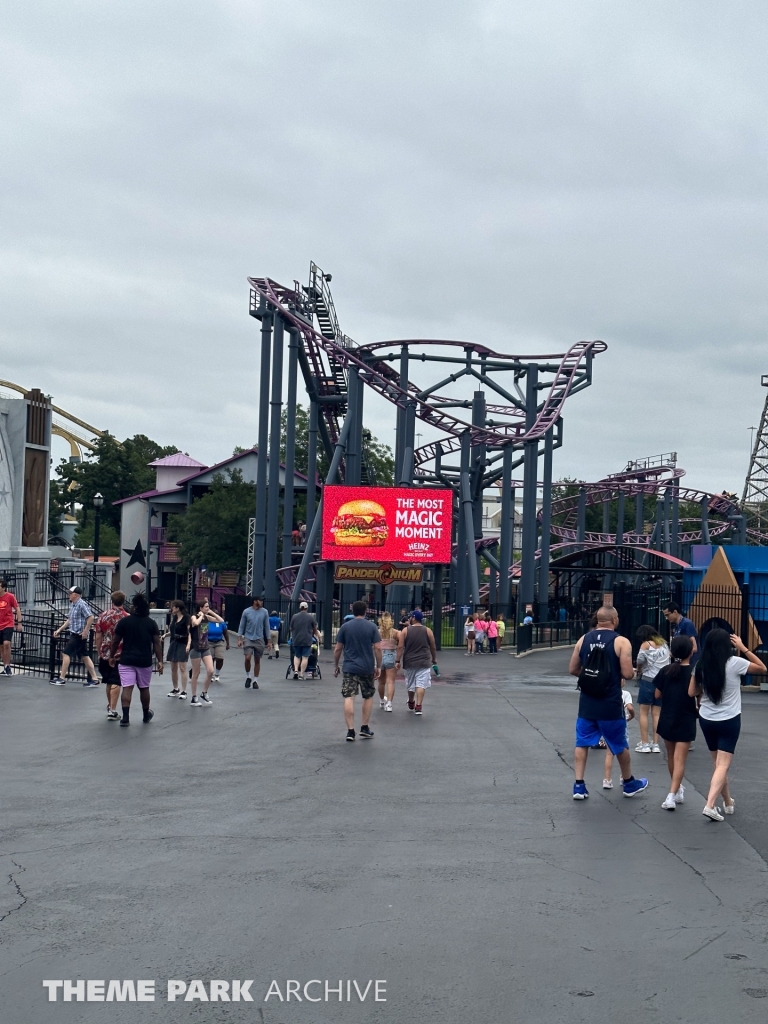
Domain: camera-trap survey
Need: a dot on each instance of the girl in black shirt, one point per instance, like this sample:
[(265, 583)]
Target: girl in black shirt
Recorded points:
[(677, 721), (177, 647)]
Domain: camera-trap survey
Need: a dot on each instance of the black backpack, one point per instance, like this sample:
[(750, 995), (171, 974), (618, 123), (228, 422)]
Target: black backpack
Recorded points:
[(596, 675)]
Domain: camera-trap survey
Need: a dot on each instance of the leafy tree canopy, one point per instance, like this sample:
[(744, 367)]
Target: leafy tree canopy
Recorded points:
[(214, 530), (378, 456), (115, 472)]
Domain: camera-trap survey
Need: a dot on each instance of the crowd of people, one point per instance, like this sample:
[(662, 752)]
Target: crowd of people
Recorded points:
[(680, 682), (678, 685), (481, 629)]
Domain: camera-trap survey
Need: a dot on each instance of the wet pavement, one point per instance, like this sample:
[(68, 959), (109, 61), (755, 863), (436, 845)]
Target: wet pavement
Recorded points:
[(444, 857)]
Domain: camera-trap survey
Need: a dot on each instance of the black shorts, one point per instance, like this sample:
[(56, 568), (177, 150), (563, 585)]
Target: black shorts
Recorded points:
[(110, 674), (6, 635), (76, 647), (722, 735)]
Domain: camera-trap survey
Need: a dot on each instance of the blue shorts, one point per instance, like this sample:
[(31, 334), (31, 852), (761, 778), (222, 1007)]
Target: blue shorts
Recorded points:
[(614, 732), (301, 652), (646, 691)]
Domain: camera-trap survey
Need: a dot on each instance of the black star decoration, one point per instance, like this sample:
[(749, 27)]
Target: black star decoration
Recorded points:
[(136, 557)]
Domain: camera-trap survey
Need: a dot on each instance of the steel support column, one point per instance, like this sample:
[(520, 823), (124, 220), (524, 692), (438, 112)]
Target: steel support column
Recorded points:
[(507, 530), (271, 586), (705, 520), (328, 606), (400, 421), (674, 542), (527, 586), (639, 514), (312, 464), (290, 445), (461, 547), (466, 504), (546, 517), (316, 523), (352, 460), (437, 606), (581, 516), (667, 504), (620, 520), (405, 469), (260, 527)]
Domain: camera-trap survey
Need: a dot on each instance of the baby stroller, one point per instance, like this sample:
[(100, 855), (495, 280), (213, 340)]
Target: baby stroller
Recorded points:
[(313, 665)]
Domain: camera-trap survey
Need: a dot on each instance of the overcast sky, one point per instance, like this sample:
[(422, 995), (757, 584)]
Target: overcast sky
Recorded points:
[(526, 174)]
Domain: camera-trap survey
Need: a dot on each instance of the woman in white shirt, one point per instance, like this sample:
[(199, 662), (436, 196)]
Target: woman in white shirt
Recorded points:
[(717, 685)]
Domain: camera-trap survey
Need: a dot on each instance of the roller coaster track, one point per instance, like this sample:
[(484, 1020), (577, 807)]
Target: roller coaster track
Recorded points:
[(328, 346), (75, 438), (630, 484)]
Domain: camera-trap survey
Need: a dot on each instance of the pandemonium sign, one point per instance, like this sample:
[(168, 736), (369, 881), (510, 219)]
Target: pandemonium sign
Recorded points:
[(383, 574)]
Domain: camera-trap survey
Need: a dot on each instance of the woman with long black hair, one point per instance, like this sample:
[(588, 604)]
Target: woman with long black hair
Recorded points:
[(677, 721), (717, 685)]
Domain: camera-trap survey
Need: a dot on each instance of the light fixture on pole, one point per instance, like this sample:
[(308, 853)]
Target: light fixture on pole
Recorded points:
[(97, 502)]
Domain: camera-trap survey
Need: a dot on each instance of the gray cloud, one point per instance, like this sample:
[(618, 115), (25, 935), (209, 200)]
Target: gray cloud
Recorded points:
[(525, 174)]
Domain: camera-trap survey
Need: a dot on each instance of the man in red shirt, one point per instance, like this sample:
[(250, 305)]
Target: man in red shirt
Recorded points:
[(10, 619), (105, 634)]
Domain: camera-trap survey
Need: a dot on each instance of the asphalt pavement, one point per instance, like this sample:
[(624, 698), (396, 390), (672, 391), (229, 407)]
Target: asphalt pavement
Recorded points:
[(444, 858)]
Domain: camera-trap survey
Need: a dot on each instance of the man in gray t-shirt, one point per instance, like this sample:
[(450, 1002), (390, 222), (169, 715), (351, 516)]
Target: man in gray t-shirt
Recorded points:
[(303, 632), (360, 642)]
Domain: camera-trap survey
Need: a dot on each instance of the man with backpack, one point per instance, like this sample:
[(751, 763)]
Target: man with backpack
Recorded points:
[(601, 659)]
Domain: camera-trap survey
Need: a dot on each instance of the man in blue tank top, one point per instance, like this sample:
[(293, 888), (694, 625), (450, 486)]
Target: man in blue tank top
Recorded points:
[(604, 716)]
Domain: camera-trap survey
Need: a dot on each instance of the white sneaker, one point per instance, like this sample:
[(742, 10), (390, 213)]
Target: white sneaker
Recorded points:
[(655, 748), (383, 704), (607, 783), (670, 803), (216, 678), (389, 708), (729, 808), (713, 813), (680, 795), (643, 748)]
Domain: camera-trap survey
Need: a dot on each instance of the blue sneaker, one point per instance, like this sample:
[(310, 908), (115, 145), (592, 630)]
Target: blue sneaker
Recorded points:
[(634, 786), (580, 791)]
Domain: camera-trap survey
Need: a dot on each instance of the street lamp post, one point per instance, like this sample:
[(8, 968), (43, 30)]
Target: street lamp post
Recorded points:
[(98, 502)]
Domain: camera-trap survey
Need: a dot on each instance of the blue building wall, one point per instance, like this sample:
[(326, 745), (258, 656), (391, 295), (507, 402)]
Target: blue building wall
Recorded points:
[(750, 567)]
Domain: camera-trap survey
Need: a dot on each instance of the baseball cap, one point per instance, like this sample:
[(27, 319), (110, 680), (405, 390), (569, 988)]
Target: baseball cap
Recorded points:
[(303, 604), (75, 590), (417, 615)]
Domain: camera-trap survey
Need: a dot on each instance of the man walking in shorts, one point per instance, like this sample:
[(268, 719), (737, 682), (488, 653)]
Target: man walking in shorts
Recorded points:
[(253, 634), (417, 654), (10, 621), (360, 642), (104, 634), (303, 629), (140, 638), (603, 715), (79, 622)]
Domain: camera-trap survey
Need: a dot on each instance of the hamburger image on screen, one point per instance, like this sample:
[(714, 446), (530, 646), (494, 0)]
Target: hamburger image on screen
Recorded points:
[(360, 524)]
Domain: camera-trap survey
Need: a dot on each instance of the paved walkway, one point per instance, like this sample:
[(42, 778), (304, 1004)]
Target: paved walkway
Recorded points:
[(248, 840)]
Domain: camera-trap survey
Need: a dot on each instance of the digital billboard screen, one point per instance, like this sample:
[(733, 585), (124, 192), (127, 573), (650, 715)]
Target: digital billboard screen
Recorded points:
[(395, 524)]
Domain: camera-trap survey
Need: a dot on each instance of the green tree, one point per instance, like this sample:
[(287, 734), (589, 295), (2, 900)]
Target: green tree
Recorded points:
[(59, 502), (116, 471), (214, 530), (378, 456)]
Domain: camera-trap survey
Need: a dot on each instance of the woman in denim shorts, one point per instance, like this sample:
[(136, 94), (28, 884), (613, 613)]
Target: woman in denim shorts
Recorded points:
[(652, 657), (389, 638)]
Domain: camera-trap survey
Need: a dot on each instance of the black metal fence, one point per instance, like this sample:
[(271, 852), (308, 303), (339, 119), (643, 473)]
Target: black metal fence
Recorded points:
[(36, 651)]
